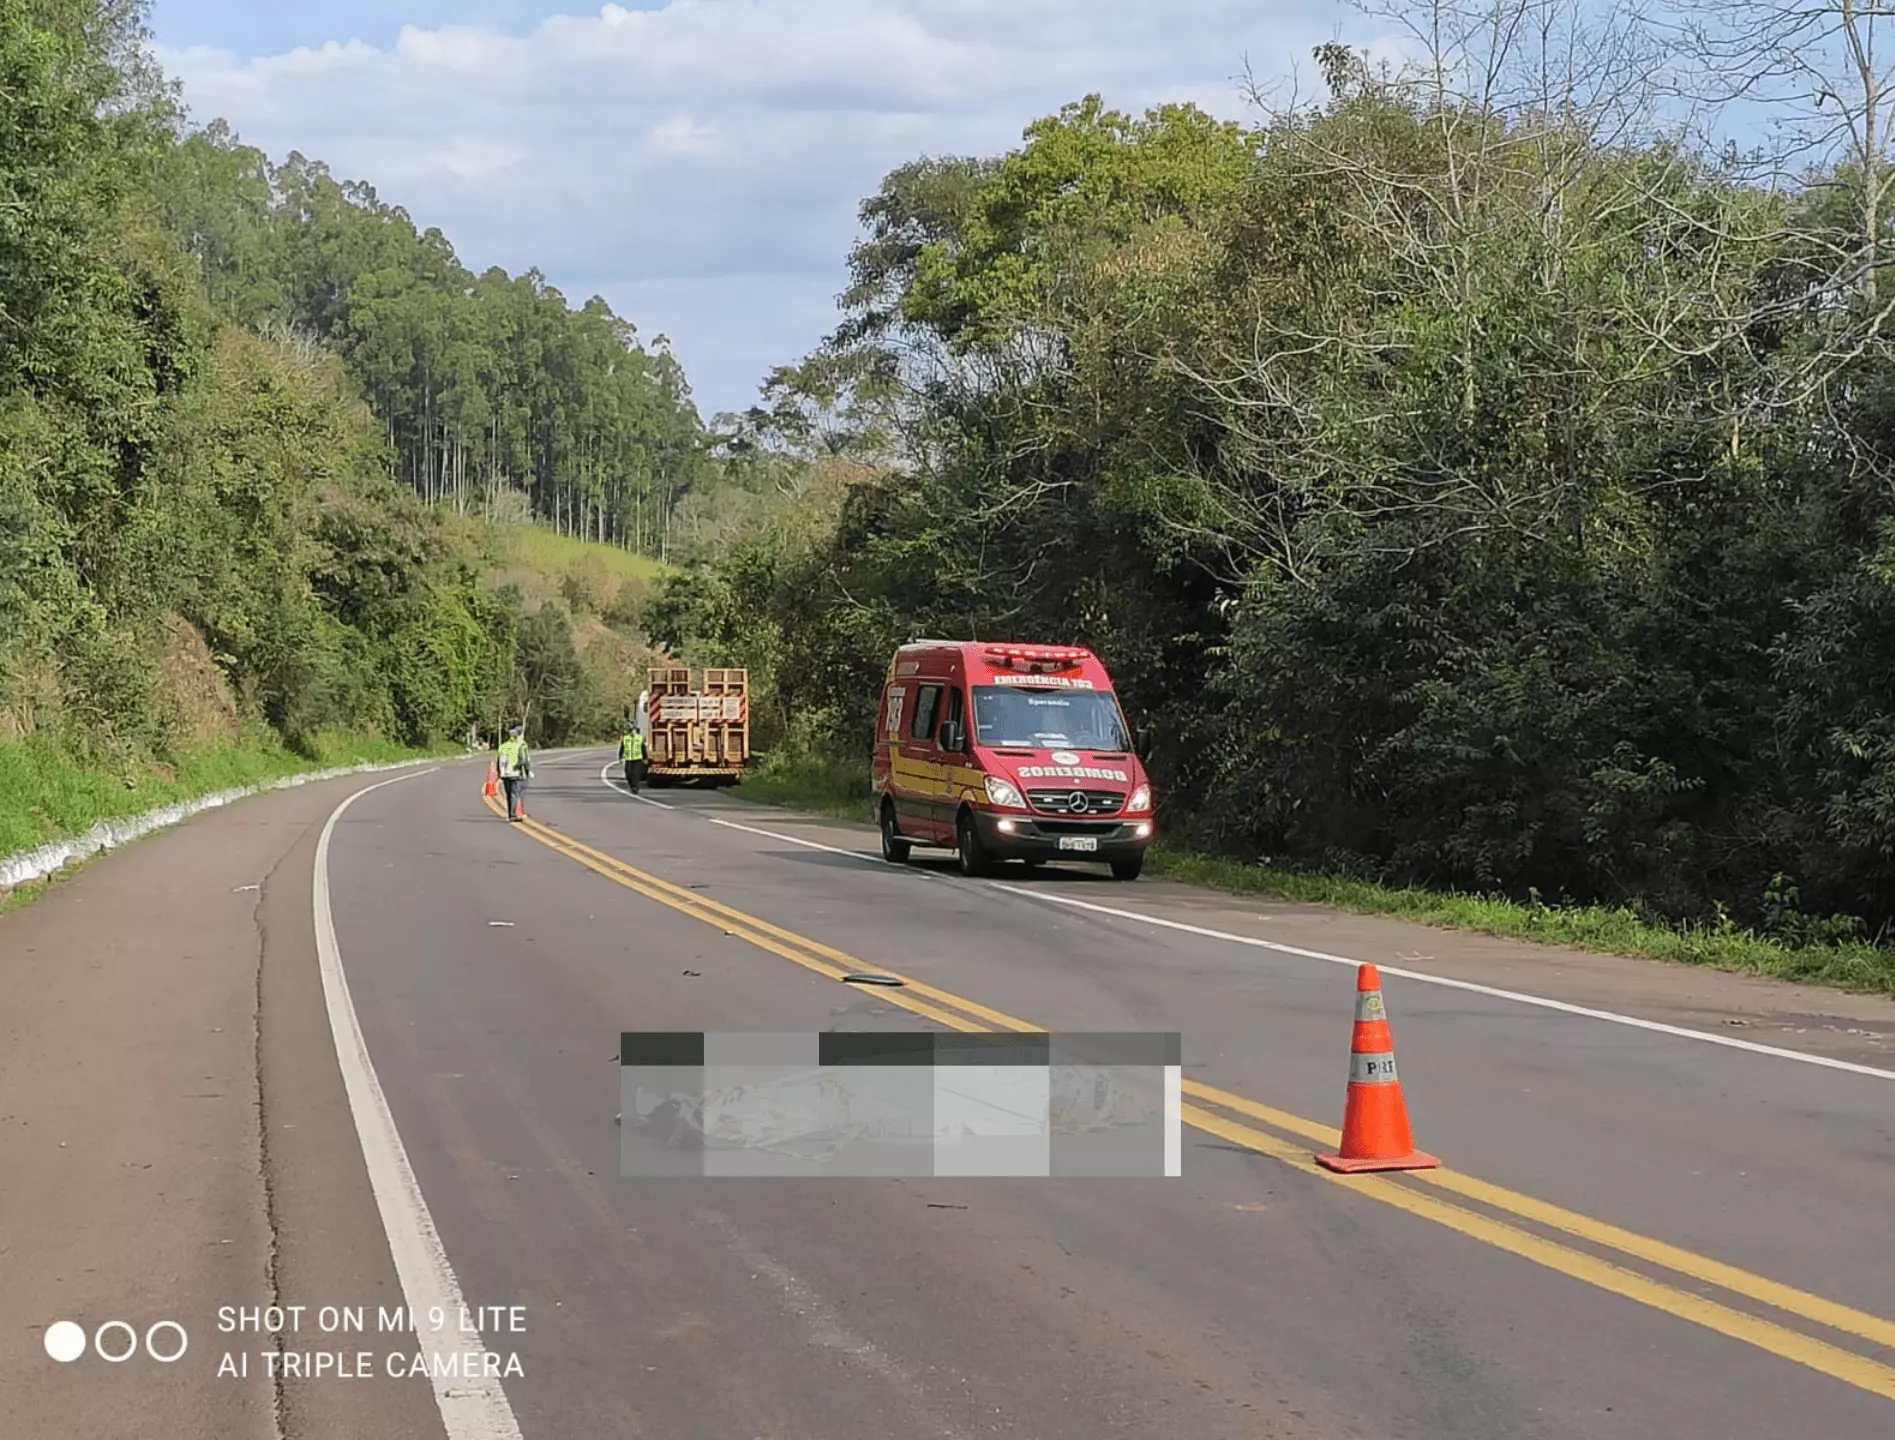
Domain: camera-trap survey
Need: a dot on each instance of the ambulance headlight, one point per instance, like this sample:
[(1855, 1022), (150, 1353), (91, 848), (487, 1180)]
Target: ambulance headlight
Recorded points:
[(1141, 799), (1003, 792)]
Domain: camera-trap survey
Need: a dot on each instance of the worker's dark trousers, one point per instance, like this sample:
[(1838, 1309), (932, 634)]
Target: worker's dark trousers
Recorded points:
[(634, 775), (515, 786)]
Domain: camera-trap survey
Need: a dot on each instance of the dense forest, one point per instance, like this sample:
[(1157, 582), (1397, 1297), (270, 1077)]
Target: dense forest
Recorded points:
[(1479, 476), (495, 396), (252, 425)]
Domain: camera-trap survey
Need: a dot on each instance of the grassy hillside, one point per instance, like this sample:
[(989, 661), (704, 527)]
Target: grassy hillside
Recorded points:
[(578, 595), (547, 565), (46, 795), (597, 590)]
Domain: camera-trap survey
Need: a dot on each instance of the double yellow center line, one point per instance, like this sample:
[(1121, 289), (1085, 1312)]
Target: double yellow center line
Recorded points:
[(1235, 1118)]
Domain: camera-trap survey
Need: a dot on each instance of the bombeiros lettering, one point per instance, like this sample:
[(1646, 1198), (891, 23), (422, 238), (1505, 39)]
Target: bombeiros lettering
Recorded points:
[(1072, 772)]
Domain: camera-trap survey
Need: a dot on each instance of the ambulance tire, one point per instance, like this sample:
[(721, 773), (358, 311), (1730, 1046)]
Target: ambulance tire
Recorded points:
[(1128, 869), (894, 849), (974, 858)]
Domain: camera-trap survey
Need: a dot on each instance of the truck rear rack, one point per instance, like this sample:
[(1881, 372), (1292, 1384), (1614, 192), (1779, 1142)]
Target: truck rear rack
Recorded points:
[(698, 732)]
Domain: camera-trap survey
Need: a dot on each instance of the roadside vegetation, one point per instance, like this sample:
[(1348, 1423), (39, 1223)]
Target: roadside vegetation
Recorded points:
[(283, 485), (1475, 491), (1789, 946), (45, 794), (837, 788)]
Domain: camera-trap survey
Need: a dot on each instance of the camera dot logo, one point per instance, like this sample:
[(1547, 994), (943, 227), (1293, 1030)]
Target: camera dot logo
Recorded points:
[(117, 1342), (65, 1341)]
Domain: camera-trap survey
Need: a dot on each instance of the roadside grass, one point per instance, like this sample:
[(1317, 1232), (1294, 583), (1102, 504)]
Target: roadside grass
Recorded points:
[(22, 895), (1604, 930), (834, 788), (46, 795), (583, 574), (841, 791), (550, 553)]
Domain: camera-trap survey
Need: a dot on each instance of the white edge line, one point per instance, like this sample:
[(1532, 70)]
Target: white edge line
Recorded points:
[(1612, 1017), (868, 855), (1565, 1007), (605, 774), (473, 1407)]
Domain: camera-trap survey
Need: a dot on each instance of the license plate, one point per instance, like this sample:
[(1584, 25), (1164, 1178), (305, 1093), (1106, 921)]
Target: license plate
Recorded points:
[(1079, 842)]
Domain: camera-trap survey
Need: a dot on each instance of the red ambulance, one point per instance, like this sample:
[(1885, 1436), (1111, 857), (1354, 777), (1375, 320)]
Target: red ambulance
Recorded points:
[(1008, 752)]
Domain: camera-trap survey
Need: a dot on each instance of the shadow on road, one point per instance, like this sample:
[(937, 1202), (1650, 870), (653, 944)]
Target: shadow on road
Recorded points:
[(817, 858)]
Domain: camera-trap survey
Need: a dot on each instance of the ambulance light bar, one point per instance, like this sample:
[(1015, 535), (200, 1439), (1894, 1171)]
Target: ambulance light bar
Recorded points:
[(1036, 657)]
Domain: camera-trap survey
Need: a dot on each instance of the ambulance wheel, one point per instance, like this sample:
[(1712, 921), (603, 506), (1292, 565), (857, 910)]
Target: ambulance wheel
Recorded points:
[(974, 859), (894, 848), (1128, 869)]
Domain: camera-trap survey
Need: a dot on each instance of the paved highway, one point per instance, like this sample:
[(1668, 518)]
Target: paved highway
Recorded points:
[(303, 1055)]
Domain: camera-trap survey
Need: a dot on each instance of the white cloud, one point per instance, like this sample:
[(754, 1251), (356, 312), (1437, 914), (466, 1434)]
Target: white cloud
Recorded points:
[(700, 164), (684, 137)]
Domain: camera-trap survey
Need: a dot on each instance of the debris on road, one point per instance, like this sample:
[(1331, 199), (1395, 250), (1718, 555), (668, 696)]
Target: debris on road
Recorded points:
[(867, 979)]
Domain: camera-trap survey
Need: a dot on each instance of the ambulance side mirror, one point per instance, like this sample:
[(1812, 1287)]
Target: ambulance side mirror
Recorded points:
[(953, 736)]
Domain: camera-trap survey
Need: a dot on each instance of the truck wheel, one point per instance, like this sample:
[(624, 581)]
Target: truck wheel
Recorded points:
[(894, 848), (1128, 869), (974, 858)]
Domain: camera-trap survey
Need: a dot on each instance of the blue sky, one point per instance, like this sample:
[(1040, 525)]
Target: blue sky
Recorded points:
[(697, 162)]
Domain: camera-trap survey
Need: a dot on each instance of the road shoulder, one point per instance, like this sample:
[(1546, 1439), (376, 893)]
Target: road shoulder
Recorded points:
[(153, 1169)]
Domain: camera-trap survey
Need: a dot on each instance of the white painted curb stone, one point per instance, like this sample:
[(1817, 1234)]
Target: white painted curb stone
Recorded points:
[(38, 863)]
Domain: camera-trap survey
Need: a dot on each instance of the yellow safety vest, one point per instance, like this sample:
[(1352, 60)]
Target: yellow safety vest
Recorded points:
[(632, 746), (512, 758)]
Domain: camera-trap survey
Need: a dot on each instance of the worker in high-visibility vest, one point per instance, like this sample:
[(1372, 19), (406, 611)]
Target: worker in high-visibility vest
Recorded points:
[(515, 764), (632, 756)]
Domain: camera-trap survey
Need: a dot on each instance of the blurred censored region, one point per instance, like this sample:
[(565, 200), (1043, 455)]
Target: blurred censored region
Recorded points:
[(899, 1104)]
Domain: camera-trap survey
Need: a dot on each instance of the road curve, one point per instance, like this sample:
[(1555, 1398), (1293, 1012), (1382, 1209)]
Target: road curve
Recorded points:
[(1642, 1230)]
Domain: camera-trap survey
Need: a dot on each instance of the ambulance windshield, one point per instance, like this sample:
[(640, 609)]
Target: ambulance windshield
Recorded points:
[(1046, 719)]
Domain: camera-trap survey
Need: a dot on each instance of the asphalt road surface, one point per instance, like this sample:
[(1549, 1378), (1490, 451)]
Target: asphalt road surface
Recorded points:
[(306, 1057)]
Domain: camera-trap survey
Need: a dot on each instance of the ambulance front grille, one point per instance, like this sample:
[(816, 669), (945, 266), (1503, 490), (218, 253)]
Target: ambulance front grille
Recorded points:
[(1060, 802)]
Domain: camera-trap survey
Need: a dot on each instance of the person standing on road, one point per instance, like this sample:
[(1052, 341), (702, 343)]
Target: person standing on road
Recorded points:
[(515, 764), (632, 755)]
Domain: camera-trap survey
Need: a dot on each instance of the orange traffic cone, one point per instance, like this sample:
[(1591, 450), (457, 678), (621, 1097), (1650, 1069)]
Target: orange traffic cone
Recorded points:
[(492, 787), (1375, 1134)]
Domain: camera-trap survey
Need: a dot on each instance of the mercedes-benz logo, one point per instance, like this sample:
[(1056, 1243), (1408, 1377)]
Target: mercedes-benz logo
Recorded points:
[(1076, 802)]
